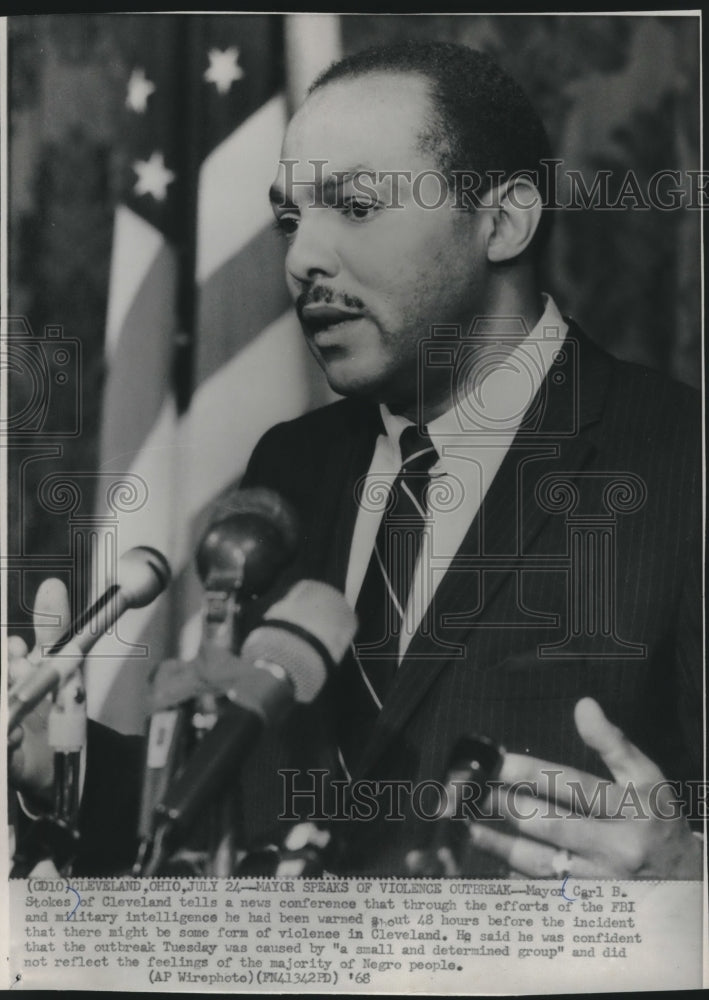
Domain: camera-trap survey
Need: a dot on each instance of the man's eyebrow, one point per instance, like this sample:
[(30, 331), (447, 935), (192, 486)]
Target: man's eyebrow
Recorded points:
[(328, 186), (333, 184)]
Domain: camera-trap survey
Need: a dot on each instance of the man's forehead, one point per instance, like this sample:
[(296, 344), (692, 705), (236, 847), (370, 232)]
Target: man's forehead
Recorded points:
[(374, 121)]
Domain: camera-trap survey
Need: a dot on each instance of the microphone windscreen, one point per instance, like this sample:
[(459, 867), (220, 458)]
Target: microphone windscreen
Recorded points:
[(263, 502), (306, 632), (252, 537), (476, 757), (143, 573)]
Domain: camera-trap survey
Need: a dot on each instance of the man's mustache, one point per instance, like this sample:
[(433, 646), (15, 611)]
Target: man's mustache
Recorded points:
[(327, 296)]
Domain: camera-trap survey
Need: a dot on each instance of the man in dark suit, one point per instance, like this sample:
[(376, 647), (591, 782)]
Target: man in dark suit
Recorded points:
[(514, 514)]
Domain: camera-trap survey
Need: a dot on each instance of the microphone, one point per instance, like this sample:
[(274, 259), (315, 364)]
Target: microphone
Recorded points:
[(66, 736), (253, 534), (252, 537), (474, 762), (284, 662), (142, 574)]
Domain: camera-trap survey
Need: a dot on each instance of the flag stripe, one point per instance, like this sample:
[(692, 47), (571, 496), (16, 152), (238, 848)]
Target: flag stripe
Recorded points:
[(233, 187), (136, 386), (111, 662), (136, 244), (239, 301), (232, 409)]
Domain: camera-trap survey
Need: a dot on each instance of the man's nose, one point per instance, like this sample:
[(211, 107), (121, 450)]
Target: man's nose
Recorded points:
[(311, 253)]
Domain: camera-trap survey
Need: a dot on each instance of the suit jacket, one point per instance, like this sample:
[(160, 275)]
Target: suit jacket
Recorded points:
[(580, 575)]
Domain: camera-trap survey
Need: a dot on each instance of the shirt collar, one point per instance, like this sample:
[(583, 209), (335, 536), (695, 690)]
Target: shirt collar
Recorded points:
[(502, 392)]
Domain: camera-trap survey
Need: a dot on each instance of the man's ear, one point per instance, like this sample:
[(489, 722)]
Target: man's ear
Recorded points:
[(517, 213)]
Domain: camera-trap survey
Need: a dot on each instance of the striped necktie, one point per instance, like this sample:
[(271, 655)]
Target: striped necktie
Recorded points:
[(368, 672)]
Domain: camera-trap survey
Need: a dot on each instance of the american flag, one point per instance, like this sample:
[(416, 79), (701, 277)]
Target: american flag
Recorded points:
[(203, 350)]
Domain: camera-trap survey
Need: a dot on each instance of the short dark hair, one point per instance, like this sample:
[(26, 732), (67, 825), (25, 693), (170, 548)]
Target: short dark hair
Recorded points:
[(484, 122)]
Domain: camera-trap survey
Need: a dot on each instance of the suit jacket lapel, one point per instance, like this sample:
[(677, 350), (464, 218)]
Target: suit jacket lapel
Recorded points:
[(335, 519), (555, 437)]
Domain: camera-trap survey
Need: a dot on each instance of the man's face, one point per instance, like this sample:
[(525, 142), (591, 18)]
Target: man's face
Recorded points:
[(369, 279)]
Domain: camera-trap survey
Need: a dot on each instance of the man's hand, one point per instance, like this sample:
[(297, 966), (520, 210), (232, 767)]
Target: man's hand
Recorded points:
[(29, 756), (626, 829)]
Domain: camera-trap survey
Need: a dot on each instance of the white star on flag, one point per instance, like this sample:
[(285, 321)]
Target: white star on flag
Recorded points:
[(153, 177), (139, 90), (223, 68)]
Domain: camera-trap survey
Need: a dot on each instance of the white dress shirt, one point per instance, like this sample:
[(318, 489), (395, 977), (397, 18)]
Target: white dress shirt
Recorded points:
[(472, 439)]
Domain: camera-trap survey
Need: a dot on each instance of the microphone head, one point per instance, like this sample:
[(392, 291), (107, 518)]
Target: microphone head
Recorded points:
[(477, 757), (253, 538), (306, 632), (266, 503), (143, 573)]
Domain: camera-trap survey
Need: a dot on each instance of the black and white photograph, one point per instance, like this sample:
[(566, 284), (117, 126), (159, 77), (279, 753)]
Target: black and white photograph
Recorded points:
[(353, 496)]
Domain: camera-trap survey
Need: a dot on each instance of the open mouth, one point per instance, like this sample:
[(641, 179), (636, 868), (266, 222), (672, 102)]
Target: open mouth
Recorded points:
[(319, 317)]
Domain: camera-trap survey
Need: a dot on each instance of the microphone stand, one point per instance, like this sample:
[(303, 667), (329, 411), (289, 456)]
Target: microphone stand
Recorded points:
[(220, 619), (56, 836), (67, 736), (194, 718)]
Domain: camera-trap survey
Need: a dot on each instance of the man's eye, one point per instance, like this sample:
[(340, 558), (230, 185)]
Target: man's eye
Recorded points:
[(286, 225), (359, 209)]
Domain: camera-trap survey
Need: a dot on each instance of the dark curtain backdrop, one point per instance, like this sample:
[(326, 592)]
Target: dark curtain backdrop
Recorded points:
[(616, 93)]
